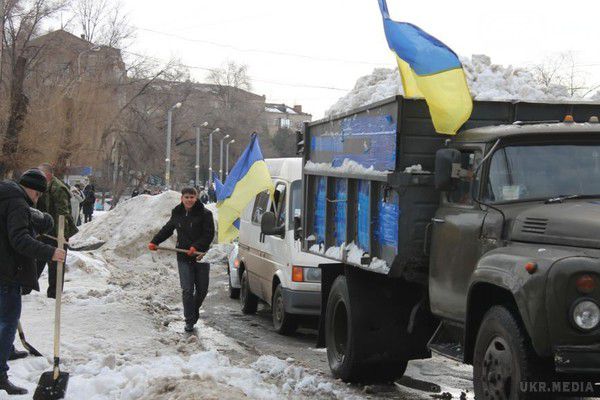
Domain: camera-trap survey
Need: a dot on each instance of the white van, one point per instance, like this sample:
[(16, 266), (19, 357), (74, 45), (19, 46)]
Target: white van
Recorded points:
[(272, 267)]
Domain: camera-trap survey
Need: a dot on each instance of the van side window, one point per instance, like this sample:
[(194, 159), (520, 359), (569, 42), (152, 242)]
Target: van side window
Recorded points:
[(260, 206), (462, 194), (278, 207)]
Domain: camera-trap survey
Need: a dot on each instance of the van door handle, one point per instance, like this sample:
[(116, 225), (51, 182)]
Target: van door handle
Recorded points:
[(438, 220)]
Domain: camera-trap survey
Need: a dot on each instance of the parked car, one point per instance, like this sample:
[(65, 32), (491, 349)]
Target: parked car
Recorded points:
[(272, 268), (233, 264)]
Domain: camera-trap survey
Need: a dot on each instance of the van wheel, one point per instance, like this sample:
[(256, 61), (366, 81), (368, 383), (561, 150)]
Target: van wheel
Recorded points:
[(503, 357), (248, 300), (234, 293), (284, 323)]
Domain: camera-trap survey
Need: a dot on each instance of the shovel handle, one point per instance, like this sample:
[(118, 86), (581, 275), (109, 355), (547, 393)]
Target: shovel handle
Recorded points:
[(59, 287), (54, 238), (198, 254)]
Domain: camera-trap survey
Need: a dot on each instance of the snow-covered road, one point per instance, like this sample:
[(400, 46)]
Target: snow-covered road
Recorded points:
[(122, 332)]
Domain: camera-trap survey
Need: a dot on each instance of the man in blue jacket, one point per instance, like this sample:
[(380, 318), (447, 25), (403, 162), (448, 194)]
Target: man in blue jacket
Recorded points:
[(195, 232), (18, 251)]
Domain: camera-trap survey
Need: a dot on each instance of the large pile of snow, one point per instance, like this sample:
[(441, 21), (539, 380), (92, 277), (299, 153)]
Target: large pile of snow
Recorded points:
[(128, 228), (486, 81)]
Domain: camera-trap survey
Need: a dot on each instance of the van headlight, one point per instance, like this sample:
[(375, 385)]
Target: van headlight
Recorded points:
[(586, 315), (312, 274)]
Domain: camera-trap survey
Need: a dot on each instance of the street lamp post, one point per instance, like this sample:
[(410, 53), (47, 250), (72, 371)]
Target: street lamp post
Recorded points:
[(227, 157), (210, 170), (221, 158), (168, 157), (197, 166)]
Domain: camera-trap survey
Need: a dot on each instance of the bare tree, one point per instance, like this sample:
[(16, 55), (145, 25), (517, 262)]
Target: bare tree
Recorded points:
[(103, 22), (563, 70), (21, 23), (229, 78)]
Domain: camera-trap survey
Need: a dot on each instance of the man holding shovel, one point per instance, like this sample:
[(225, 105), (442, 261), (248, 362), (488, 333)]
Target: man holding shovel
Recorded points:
[(18, 251), (195, 232)]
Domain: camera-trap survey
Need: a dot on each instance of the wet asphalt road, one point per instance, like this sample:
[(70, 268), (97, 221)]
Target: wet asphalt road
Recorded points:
[(256, 334)]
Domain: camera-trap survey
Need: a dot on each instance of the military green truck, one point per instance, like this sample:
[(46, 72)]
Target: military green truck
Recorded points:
[(483, 247)]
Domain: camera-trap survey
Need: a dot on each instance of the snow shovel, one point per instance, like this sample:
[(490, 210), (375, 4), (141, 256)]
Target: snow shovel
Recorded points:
[(198, 254), (53, 384), (86, 247), (26, 345)]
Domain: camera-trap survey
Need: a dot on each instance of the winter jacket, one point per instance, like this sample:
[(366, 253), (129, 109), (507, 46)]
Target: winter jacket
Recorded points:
[(195, 228), (57, 201), (18, 248), (89, 200)]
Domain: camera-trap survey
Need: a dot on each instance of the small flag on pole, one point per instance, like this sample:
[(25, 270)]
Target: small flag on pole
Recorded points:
[(248, 177)]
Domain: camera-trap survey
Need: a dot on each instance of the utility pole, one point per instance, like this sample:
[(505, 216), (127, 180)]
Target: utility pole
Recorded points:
[(227, 157), (168, 157), (210, 170), (197, 166), (221, 158)]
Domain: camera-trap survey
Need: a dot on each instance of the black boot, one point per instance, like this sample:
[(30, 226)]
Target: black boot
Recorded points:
[(189, 327), (9, 387), (16, 354)]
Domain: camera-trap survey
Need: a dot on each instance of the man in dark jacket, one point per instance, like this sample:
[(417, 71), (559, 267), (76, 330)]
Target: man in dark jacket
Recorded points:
[(55, 201), (18, 251), (195, 232)]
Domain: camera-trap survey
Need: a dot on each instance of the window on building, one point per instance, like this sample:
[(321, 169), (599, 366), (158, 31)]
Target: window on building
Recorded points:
[(284, 123)]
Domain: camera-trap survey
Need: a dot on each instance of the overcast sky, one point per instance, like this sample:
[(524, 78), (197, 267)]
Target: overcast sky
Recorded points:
[(304, 51)]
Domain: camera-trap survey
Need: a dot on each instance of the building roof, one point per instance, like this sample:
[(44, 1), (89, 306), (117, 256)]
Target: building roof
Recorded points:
[(278, 108)]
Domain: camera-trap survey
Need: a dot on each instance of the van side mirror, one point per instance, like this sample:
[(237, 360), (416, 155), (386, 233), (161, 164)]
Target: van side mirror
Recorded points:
[(297, 228), (299, 143), (447, 169), (268, 225)]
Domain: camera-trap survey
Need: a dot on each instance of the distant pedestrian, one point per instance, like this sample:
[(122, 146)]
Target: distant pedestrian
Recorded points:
[(203, 196), (76, 200), (195, 232), (18, 251), (212, 194), (55, 201), (89, 201)]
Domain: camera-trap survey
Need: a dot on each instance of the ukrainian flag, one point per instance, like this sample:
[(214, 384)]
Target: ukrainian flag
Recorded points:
[(248, 177), (429, 69)]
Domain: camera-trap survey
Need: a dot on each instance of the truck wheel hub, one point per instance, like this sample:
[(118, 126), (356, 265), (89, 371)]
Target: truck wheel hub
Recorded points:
[(340, 329), (497, 367)]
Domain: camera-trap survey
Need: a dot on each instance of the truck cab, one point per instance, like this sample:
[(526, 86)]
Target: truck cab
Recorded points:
[(515, 250), (486, 252)]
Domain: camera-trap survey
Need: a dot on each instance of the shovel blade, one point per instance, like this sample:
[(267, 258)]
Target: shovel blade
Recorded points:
[(88, 247), (32, 350), (50, 389)]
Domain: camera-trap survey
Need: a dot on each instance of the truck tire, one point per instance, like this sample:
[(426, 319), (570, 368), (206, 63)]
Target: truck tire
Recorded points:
[(248, 300), (234, 293), (284, 323), (342, 344), (339, 338), (503, 357)]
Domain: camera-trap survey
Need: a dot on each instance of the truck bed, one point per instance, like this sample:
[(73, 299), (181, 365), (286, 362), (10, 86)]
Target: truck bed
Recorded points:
[(361, 208)]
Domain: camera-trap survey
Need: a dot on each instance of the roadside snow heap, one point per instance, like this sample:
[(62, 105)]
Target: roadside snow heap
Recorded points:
[(487, 81), (129, 227)]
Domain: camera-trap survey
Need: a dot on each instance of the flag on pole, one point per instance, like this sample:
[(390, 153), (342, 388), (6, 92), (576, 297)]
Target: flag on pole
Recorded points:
[(248, 177), (429, 69)]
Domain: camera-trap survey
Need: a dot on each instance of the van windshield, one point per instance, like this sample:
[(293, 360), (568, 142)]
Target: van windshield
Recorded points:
[(536, 172), (295, 201)]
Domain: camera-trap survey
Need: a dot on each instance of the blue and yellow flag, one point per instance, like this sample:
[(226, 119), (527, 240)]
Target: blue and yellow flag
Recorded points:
[(429, 69), (248, 177)]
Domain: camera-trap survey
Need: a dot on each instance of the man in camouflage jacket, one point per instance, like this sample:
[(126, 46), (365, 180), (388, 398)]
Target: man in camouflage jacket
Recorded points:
[(56, 201)]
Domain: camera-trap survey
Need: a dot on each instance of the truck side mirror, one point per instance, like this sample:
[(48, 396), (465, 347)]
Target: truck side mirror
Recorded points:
[(447, 169), (297, 228), (268, 225)]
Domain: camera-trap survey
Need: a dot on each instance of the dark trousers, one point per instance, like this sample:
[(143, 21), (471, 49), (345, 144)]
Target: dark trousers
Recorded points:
[(10, 312), (193, 278), (87, 218), (51, 272)]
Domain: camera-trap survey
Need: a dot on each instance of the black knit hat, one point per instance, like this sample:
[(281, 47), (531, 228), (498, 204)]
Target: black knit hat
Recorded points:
[(34, 179)]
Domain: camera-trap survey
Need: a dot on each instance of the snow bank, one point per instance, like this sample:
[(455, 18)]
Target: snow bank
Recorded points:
[(487, 81)]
